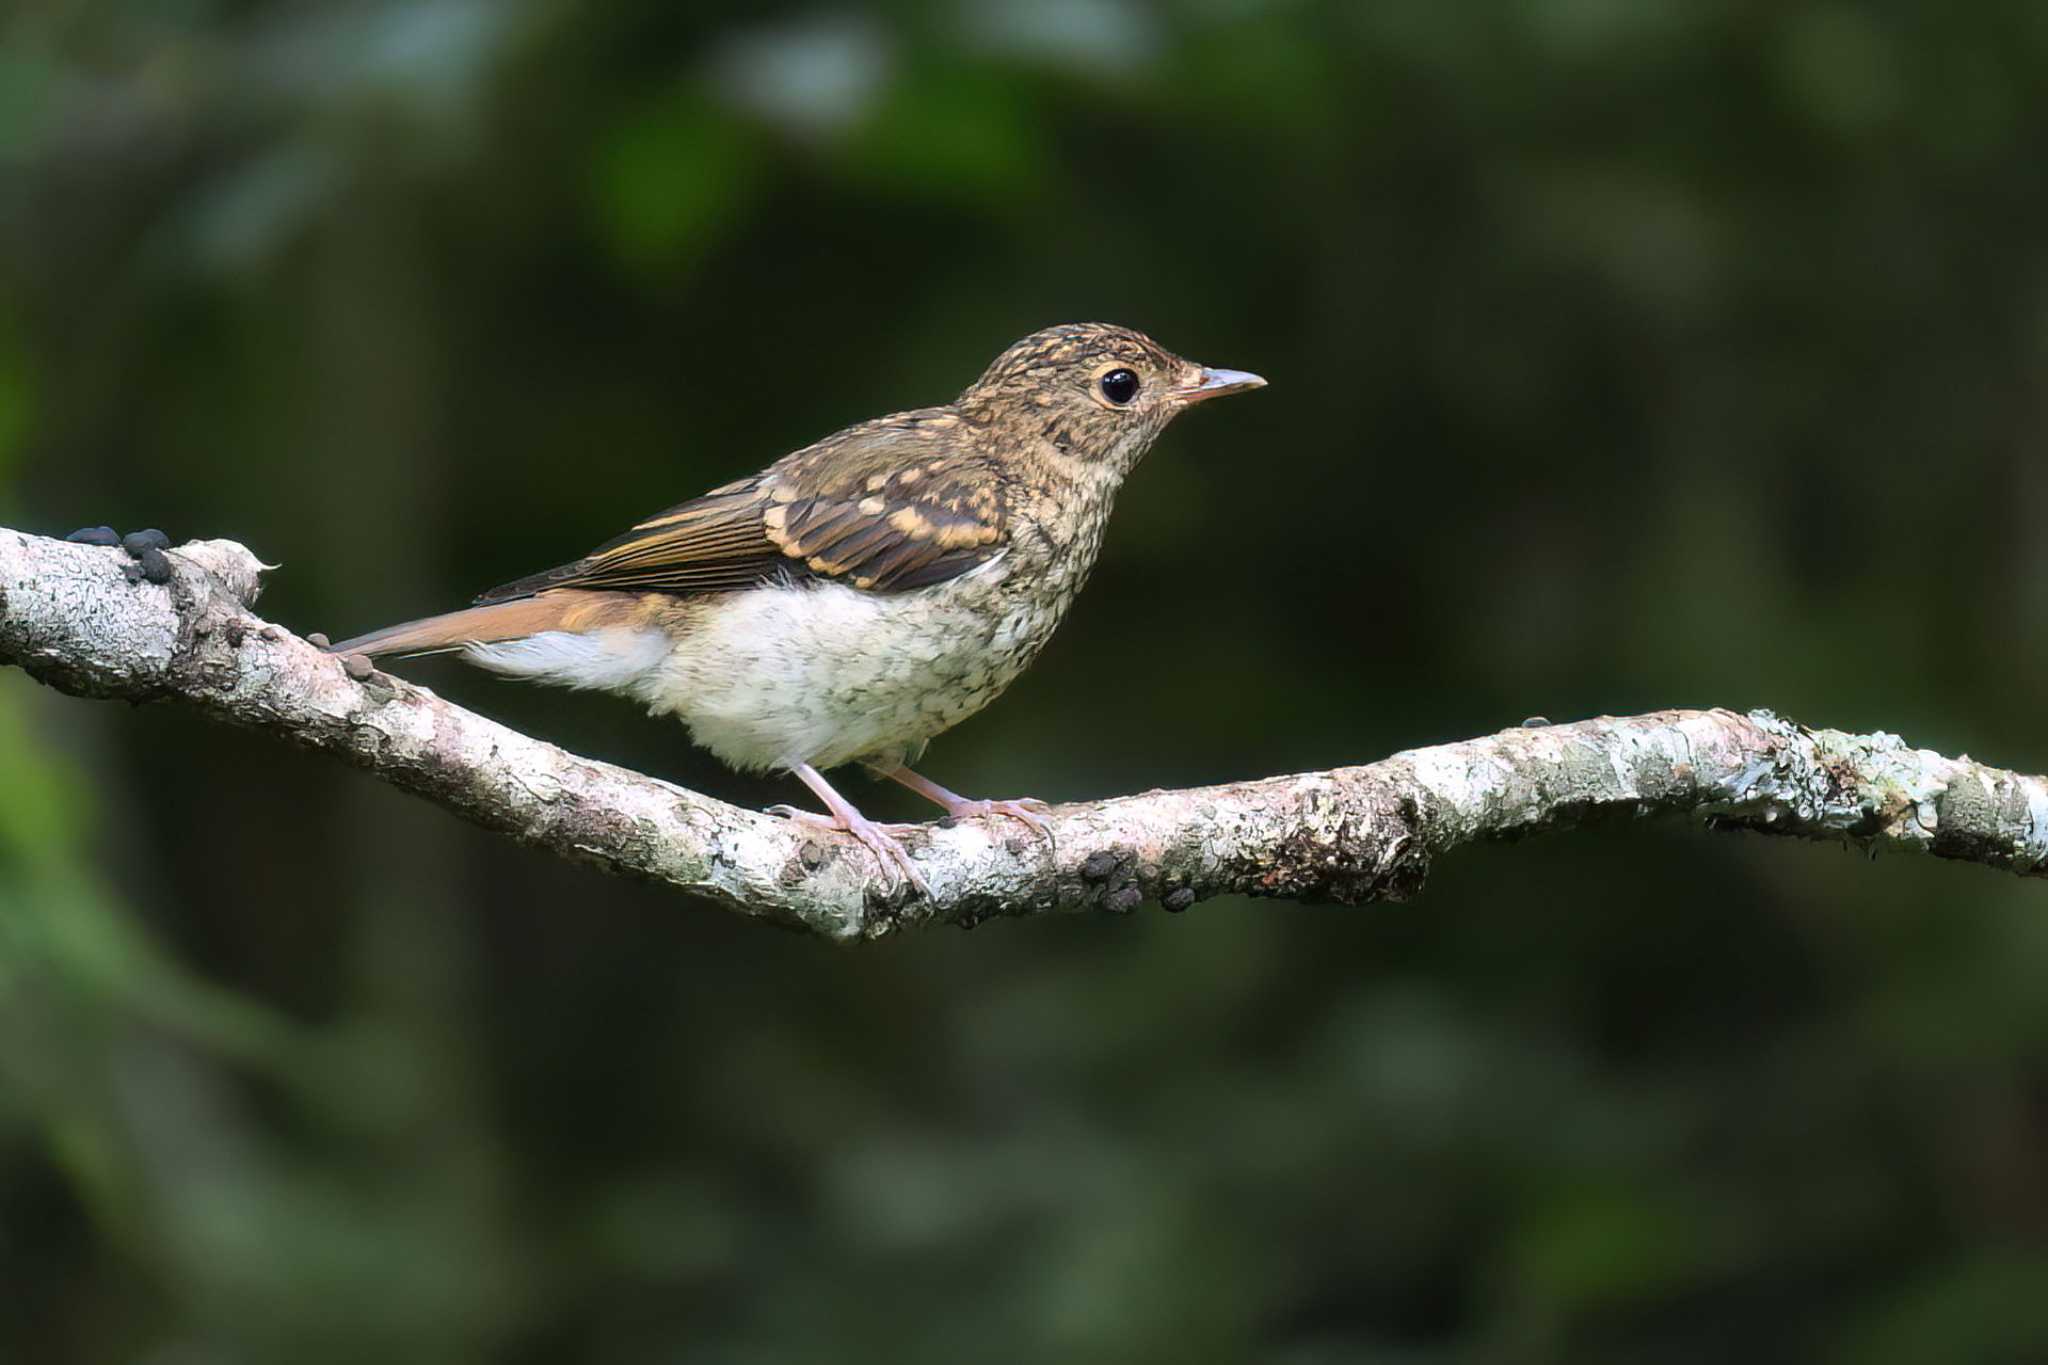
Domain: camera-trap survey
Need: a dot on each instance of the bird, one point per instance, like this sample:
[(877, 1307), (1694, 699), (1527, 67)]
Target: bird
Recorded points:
[(863, 594)]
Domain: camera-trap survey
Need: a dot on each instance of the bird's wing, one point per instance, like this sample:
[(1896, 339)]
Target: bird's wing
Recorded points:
[(887, 506)]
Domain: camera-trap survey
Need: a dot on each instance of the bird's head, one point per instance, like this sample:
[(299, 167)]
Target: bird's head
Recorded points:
[(1093, 394)]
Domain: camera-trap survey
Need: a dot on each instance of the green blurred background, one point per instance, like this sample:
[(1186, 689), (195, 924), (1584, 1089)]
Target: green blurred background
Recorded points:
[(1624, 354)]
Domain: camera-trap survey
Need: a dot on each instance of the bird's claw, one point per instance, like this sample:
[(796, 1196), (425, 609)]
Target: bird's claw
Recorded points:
[(881, 839), (818, 820), (1026, 810)]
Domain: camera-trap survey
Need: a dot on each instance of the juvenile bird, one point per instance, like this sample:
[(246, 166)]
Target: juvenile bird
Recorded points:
[(863, 594)]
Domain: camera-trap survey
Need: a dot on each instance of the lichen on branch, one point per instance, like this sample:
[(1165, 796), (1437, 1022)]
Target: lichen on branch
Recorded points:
[(71, 618)]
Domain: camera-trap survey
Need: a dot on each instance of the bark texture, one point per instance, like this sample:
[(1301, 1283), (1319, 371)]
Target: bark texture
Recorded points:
[(71, 618)]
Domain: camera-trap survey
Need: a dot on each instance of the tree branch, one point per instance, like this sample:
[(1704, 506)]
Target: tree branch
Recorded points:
[(70, 618)]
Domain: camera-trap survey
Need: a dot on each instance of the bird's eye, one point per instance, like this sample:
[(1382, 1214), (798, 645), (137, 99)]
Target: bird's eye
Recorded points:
[(1120, 386)]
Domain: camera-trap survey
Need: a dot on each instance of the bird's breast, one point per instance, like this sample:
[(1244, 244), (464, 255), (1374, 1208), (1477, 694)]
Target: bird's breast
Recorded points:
[(822, 673)]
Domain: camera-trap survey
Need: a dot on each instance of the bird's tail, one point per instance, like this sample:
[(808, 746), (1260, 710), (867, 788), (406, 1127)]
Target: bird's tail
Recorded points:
[(489, 624)]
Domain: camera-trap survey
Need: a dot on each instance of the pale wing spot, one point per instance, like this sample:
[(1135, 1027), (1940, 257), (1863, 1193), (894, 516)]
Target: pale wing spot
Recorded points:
[(911, 523)]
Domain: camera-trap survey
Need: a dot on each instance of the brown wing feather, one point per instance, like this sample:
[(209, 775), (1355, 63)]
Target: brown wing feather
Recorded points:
[(887, 506)]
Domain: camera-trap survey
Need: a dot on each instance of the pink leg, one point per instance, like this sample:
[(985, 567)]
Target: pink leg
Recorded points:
[(1027, 809), (880, 839)]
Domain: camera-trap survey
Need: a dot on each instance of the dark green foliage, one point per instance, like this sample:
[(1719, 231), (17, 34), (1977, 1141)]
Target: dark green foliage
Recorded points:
[(1623, 355)]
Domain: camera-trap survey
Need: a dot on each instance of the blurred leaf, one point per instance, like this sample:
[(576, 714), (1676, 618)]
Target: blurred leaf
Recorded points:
[(1839, 63), (1980, 1312), (673, 179), (1601, 1244), (25, 79), (952, 132), (16, 399)]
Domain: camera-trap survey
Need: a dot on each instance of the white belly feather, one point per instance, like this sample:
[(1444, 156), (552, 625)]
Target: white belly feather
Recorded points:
[(817, 673)]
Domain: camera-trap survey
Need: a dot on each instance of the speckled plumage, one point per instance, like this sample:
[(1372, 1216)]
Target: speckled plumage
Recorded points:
[(866, 593)]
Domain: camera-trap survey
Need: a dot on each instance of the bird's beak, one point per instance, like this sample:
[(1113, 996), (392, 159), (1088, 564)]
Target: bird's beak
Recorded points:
[(1216, 383)]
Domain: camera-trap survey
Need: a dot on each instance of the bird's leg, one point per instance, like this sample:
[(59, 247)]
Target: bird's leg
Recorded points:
[(880, 839), (1028, 810)]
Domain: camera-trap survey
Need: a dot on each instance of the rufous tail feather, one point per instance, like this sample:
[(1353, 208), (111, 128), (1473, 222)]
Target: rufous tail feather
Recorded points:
[(490, 624)]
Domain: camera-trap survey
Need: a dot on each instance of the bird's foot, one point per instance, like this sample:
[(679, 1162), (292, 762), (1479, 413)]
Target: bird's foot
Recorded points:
[(1028, 811), (881, 839), (830, 823), (145, 549)]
